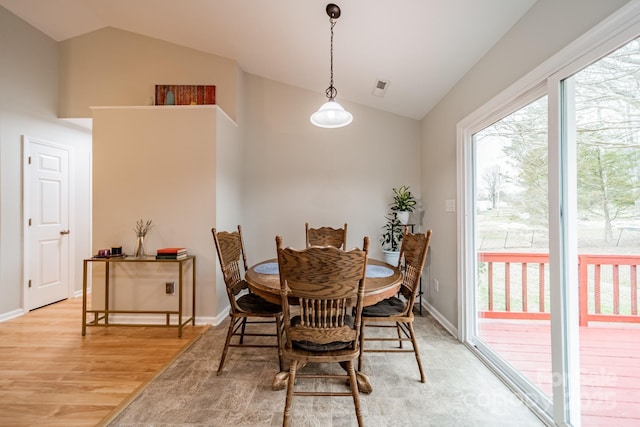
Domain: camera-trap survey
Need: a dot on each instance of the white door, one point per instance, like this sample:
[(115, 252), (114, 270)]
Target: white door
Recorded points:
[(47, 223)]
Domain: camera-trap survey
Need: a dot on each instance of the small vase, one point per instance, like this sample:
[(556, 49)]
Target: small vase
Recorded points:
[(170, 98), (139, 251)]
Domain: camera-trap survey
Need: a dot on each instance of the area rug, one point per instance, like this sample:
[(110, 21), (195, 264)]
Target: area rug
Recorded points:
[(460, 391), (124, 404)]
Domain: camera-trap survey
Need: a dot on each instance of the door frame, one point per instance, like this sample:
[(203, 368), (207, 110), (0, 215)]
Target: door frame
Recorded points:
[(622, 26), (26, 209)]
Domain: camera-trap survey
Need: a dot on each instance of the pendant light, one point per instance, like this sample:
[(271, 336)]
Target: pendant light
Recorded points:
[(331, 114)]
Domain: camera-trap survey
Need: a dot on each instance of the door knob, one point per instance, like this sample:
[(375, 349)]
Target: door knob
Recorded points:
[(62, 232)]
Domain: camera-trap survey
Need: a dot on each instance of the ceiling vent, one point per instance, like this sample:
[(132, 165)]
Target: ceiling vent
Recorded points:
[(380, 87)]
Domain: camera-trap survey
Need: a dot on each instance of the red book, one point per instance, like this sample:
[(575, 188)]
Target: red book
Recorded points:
[(172, 251)]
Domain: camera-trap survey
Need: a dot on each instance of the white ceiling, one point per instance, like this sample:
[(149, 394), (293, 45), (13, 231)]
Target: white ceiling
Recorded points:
[(422, 47)]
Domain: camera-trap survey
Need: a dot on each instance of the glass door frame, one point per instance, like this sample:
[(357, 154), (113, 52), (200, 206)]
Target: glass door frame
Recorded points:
[(468, 263), (552, 78)]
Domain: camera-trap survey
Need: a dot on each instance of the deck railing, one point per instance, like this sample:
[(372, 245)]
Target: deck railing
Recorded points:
[(608, 286)]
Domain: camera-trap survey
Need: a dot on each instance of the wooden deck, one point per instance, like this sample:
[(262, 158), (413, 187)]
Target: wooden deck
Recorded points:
[(609, 359)]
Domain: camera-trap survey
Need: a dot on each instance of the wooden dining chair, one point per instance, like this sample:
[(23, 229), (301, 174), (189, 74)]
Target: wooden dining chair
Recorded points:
[(326, 284), (326, 236), (397, 312), (246, 307)]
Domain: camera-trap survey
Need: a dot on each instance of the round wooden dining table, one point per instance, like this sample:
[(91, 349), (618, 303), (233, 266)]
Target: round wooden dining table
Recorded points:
[(382, 281)]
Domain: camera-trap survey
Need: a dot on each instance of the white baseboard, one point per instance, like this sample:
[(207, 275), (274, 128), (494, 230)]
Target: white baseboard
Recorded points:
[(149, 319), (215, 321), (141, 319), (134, 319), (441, 319), (11, 314), (221, 317)]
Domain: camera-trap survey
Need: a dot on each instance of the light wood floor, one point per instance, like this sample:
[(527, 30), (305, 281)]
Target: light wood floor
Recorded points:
[(50, 375)]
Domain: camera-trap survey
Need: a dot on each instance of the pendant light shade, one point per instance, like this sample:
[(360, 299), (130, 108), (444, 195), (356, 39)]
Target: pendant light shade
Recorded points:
[(331, 114)]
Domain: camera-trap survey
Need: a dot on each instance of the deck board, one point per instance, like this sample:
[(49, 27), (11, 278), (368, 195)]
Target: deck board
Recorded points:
[(609, 364)]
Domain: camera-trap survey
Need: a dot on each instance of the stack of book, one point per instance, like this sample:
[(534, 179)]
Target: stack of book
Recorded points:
[(171, 253)]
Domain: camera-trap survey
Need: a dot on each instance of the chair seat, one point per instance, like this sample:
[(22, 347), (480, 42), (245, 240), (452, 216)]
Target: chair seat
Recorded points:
[(252, 303), (309, 346), (393, 306), (413, 251), (247, 310)]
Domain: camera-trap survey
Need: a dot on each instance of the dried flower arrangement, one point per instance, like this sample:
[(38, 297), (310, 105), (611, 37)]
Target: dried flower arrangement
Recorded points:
[(143, 227)]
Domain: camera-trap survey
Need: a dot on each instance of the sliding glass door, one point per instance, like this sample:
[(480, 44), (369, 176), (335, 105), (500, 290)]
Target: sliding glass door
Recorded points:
[(605, 99), (551, 248), (511, 235)]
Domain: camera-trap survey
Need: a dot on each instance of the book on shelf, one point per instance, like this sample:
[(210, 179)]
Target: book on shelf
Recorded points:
[(172, 256), (171, 253)]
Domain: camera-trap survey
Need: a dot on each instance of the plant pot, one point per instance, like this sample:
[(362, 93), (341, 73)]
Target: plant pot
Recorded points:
[(391, 257), (403, 217)]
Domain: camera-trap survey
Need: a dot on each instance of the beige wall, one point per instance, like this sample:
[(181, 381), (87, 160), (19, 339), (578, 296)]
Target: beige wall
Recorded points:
[(158, 163), (115, 67), (292, 171), (28, 102), (229, 170), (545, 29), (282, 173), (278, 170), (295, 172)]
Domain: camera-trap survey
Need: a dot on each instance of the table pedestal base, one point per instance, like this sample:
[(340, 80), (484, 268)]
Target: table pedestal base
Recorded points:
[(364, 385), (280, 381)]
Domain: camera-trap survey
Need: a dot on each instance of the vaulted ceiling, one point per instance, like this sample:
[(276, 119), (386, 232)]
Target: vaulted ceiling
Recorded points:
[(420, 47)]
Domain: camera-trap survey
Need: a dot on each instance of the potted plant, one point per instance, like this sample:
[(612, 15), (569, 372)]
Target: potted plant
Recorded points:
[(403, 203), (391, 238)]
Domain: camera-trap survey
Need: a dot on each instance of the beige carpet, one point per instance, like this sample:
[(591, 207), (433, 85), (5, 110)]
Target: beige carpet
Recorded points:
[(460, 391)]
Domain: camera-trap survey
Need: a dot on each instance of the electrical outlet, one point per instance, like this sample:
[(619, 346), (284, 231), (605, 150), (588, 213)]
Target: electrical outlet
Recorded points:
[(170, 288), (436, 285)]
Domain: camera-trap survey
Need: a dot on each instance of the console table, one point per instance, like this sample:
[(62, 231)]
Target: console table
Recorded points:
[(101, 317)]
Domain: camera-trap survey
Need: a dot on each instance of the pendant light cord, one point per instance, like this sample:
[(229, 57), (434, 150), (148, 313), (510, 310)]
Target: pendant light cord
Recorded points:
[(331, 91), (331, 114)]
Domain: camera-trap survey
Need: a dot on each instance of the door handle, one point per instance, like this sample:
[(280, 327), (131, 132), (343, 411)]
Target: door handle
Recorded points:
[(63, 232)]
